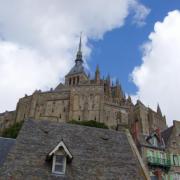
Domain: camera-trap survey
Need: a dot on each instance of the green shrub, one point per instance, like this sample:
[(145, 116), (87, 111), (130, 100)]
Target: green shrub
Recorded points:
[(13, 130), (91, 123)]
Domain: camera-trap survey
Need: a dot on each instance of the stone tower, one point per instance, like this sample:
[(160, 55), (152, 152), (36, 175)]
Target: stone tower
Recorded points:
[(77, 73)]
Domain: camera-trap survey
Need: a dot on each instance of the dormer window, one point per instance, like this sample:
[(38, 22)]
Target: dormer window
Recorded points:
[(153, 141), (59, 156), (59, 164)]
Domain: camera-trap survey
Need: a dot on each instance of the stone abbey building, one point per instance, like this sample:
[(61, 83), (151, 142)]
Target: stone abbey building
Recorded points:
[(85, 98)]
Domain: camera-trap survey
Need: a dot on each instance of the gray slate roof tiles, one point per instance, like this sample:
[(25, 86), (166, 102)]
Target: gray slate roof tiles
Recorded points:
[(5, 146), (97, 153)]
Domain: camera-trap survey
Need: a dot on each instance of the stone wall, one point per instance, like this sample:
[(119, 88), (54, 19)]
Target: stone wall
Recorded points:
[(156, 121), (86, 103), (141, 114), (6, 120)]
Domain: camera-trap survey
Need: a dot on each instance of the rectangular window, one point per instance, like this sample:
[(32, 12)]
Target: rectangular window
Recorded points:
[(175, 160), (59, 164)]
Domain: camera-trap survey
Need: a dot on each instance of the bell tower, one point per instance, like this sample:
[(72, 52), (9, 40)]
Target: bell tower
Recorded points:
[(77, 73)]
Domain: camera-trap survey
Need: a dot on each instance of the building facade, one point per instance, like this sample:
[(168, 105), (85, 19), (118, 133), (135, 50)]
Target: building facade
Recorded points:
[(83, 98)]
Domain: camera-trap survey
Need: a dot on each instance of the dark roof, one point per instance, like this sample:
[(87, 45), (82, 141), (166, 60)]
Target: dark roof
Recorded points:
[(5, 146), (97, 153), (77, 69), (166, 134)]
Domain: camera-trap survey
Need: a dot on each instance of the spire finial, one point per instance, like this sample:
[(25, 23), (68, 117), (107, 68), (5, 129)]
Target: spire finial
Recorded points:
[(80, 42), (79, 53)]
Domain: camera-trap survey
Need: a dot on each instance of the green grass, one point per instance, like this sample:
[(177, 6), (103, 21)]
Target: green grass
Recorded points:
[(13, 130), (90, 123)]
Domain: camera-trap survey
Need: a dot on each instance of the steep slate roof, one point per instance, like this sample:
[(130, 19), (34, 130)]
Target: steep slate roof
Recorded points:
[(97, 153), (166, 134), (5, 146), (77, 69)]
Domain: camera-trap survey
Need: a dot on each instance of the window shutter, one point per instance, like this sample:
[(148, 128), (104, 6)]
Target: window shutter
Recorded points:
[(171, 158), (171, 177), (149, 153), (178, 160)]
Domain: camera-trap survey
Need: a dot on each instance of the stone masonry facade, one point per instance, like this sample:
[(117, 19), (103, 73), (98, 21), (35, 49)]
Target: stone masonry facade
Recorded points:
[(84, 98)]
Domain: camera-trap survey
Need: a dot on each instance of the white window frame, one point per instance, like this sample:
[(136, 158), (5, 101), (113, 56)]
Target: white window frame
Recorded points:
[(175, 160), (57, 163)]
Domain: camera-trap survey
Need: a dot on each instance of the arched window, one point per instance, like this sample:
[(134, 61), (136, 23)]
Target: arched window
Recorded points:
[(78, 80), (69, 81), (74, 80)]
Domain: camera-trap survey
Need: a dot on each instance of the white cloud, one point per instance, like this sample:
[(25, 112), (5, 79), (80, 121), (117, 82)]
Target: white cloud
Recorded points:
[(38, 40), (140, 14), (158, 77)]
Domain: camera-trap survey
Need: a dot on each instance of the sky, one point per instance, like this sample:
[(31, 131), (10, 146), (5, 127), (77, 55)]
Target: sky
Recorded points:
[(136, 41)]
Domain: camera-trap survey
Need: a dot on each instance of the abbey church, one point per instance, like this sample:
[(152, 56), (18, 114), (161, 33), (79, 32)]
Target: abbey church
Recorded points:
[(84, 98)]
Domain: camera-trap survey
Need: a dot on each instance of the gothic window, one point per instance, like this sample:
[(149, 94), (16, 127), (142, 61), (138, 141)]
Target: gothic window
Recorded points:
[(64, 109), (60, 116), (78, 80), (79, 118), (95, 118), (74, 80), (69, 81)]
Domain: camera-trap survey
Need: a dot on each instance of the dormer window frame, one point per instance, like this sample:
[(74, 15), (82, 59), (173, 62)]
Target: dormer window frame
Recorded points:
[(62, 151), (56, 163), (154, 141)]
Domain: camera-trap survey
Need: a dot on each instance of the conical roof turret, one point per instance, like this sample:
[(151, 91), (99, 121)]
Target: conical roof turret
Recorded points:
[(79, 52), (159, 110)]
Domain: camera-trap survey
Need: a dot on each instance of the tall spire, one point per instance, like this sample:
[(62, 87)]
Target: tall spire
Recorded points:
[(159, 110), (79, 53), (80, 43)]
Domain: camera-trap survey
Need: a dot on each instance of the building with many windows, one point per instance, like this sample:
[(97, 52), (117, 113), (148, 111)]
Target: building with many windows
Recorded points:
[(82, 97)]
